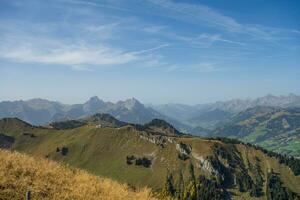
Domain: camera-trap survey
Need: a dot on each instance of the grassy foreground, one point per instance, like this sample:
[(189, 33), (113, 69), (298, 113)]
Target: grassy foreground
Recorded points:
[(49, 180)]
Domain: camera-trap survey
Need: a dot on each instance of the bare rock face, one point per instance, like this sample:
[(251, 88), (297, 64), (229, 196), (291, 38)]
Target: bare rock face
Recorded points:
[(158, 140), (183, 148), (205, 165)]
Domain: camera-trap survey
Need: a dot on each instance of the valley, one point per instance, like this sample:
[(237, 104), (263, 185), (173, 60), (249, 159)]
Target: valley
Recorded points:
[(277, 129)]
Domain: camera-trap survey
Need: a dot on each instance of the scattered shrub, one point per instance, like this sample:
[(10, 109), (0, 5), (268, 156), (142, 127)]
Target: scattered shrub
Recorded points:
[(145, 162)]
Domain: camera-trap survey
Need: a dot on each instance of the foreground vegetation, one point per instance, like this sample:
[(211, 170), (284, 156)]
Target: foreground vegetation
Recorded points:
[(45, 179)]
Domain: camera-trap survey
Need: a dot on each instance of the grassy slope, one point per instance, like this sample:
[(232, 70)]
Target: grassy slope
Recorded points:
[(286, 143), (48, 180), (103, 151), (281, 140)]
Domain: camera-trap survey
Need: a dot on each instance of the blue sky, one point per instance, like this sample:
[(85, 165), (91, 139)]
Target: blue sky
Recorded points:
[(157, 51)]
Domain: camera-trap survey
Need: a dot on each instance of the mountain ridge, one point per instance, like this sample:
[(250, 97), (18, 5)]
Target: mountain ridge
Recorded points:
[(200, 113), (56, 111), (198, 119), (221, 167)]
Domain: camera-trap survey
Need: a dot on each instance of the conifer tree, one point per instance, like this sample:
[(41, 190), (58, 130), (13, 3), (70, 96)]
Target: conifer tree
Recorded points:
[(169, 189)]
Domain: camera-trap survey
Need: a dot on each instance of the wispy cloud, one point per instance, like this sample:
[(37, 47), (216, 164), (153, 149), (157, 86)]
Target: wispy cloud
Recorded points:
[(104, 31), (74, 55), (198, 67), (204, 15), (95, 4), (151, 49), (200, 13), (67, 54), (87, 34), (203, 39), (18, 45)]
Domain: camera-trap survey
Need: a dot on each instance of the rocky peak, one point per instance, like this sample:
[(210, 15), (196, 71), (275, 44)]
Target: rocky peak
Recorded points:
[(94, 103), (131, 104), (94, 100)]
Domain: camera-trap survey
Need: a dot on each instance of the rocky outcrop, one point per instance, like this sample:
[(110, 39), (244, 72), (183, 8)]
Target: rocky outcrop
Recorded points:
[(159, 140), (205, 164), (183, 148)]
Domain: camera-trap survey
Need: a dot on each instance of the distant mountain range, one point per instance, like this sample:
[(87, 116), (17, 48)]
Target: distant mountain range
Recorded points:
[(210, 114), (197, 119), (41, 111)]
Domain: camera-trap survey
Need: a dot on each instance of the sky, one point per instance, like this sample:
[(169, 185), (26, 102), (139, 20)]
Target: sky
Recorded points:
[(158, 51)]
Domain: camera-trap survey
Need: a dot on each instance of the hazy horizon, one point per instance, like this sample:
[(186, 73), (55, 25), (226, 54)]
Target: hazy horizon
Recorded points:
[(146, 103), (158, 51)]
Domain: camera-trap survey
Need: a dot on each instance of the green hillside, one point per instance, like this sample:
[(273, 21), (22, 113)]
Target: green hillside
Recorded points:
[(275, 129), (175, 165)]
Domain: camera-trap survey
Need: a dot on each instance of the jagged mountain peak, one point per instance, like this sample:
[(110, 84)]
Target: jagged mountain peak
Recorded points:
[(94, 99), (131, 104), (93, 104)]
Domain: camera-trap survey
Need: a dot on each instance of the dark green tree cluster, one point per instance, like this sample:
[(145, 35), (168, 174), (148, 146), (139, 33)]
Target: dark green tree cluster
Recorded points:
[(143, 161), (225, 174), (258, 175), (245, 183), (276, 191), (290, 161), (229, 153), (69, 124), (169, 189), (64, 150), (194, 188), (236, 170), (130, 159), (208, 189)]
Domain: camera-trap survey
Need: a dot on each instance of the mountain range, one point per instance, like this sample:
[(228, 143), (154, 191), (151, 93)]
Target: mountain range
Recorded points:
[(192, 119), (158, 156), (210, 114), (41, 111)]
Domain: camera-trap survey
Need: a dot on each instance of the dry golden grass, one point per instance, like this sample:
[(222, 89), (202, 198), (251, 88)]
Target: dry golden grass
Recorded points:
[(49, 180)]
